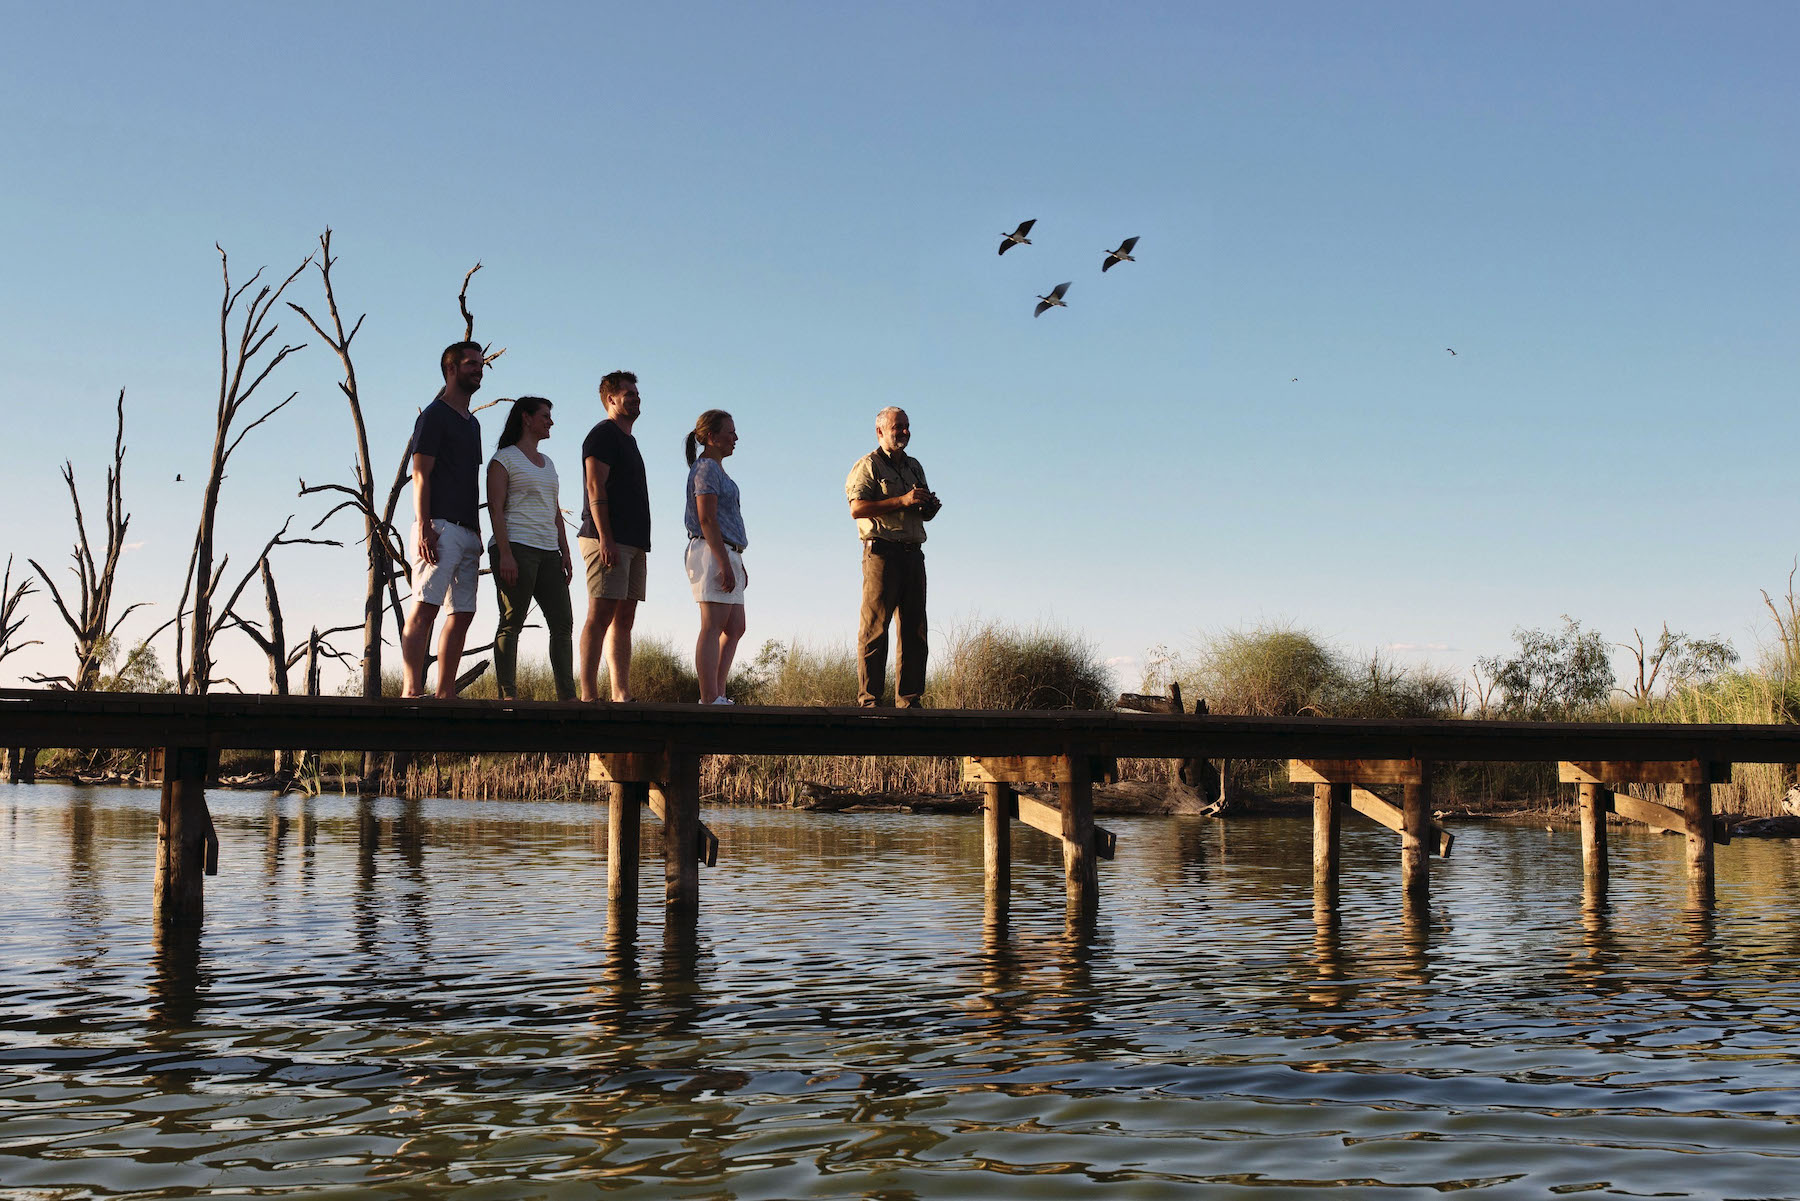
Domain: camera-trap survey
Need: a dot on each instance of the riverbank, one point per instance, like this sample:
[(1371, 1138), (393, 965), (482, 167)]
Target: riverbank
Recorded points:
[(869, 784)]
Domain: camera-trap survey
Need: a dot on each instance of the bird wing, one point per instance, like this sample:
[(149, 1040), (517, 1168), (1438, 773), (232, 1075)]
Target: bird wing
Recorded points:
[(1057, 294), (1006, 244), (1111, 258), (1024, 228), (1043, 306), (1127, 245)]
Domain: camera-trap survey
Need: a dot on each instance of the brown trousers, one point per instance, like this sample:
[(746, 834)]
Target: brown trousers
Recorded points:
[(893, 581)]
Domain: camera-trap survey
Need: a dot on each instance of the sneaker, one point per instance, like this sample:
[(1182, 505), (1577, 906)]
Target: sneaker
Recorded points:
[(723, 700)]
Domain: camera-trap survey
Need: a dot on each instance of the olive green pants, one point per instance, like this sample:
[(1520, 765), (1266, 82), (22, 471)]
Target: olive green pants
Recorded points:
[(541, 579)]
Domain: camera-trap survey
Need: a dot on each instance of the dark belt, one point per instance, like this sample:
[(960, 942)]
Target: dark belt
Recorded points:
[(882, 546), (467, 525), (734, 546)]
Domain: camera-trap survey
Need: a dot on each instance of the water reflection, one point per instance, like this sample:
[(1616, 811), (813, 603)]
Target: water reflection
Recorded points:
[(426, 997), (180, 978)]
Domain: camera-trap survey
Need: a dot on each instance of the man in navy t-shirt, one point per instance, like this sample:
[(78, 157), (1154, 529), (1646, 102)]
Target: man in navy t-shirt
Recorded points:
[(446, 533), (614, 537)]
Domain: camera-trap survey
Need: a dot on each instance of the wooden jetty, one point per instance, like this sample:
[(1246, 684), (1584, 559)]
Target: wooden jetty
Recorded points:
[(650, 755)]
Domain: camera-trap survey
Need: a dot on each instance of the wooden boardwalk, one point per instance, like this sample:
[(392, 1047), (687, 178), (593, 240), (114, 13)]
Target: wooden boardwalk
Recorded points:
[(650, 754)]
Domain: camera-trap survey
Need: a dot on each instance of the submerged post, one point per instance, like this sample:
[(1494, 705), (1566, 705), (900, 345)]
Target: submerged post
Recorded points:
[(681, 834), (1328, 800), (1415, 836), (1595, 803), (1696, 812), (1081, 874), (624, 810), (997, 842), (184, 838)]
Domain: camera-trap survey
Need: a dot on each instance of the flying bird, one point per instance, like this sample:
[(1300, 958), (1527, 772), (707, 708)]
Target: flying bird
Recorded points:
[(177, 477), (1452, 352), (1054, 300), (1121, 255), (1017, 237)]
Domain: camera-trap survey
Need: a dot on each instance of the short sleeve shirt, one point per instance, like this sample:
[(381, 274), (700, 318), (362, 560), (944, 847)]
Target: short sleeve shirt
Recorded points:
[(627, 492), (454, 443), (707, 478), (878, 476)]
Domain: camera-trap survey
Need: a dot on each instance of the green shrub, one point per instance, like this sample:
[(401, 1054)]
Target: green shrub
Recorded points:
[(992, 666)]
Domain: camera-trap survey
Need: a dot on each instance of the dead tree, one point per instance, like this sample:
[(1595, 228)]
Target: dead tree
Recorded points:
[(240, 375), (273, 643), (381, 542), (90, 618), (11, 621)]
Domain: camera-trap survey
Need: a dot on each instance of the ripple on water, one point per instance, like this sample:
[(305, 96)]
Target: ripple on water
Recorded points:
[(407, 998)]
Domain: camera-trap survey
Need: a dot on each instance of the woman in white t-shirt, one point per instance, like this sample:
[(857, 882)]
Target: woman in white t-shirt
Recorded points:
[(530, 547)]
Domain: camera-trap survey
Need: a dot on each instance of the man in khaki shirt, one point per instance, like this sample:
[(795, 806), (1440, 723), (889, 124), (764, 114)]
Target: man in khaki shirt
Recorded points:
[(891, 503)]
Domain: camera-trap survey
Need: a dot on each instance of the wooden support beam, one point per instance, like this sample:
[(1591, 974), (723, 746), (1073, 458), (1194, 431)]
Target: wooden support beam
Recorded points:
[(706, 843), (649, 768), (183, 829), (624, 809), (1030, 769), (1660, 817), (1641, 771), (1416, 840), (997, 812), (1387, 814), (628, 767), (1355, 771), (681, 833), (1049, 819), (1697, 815), (1329, 800), (1081, 874), (1596, 802)]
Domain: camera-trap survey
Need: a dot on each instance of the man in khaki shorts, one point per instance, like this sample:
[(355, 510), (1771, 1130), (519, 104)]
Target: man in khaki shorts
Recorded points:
[(614, 537)]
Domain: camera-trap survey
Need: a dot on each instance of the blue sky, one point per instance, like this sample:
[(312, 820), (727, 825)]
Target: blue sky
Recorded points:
[(791, 211)]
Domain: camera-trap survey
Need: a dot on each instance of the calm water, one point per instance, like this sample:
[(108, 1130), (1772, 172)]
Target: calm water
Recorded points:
[(394, 1000)]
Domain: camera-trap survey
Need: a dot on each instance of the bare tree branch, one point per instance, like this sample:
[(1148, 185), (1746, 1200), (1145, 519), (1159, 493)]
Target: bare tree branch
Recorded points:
[(10, 619), (462, 302)]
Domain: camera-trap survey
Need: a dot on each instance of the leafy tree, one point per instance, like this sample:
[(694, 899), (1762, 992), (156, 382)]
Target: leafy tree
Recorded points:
[(1554, 676)]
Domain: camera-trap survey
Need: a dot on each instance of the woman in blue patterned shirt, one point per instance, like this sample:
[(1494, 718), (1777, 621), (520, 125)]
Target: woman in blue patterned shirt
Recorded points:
[(715, 551)]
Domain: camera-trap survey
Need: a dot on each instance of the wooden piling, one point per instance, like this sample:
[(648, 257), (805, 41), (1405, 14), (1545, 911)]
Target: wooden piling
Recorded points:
[(681, 834), (623, 813), (1696, 811), (21, 765), (1327, 802), (183, 835), (997, 843), (1595, 803), (1415, 837), (1081, 874)]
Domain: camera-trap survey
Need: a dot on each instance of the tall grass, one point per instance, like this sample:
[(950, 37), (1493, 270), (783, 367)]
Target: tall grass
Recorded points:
[(993, 666)]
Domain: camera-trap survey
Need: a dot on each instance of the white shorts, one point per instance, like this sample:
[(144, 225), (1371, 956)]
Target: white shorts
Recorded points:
[(703, 574), (457, 570)]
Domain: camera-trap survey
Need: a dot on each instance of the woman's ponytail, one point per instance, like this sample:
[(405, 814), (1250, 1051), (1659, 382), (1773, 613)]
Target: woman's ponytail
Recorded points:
[(708, 424)]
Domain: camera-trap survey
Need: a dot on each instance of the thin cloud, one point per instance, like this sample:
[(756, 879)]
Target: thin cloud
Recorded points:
[(1417, 647)]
